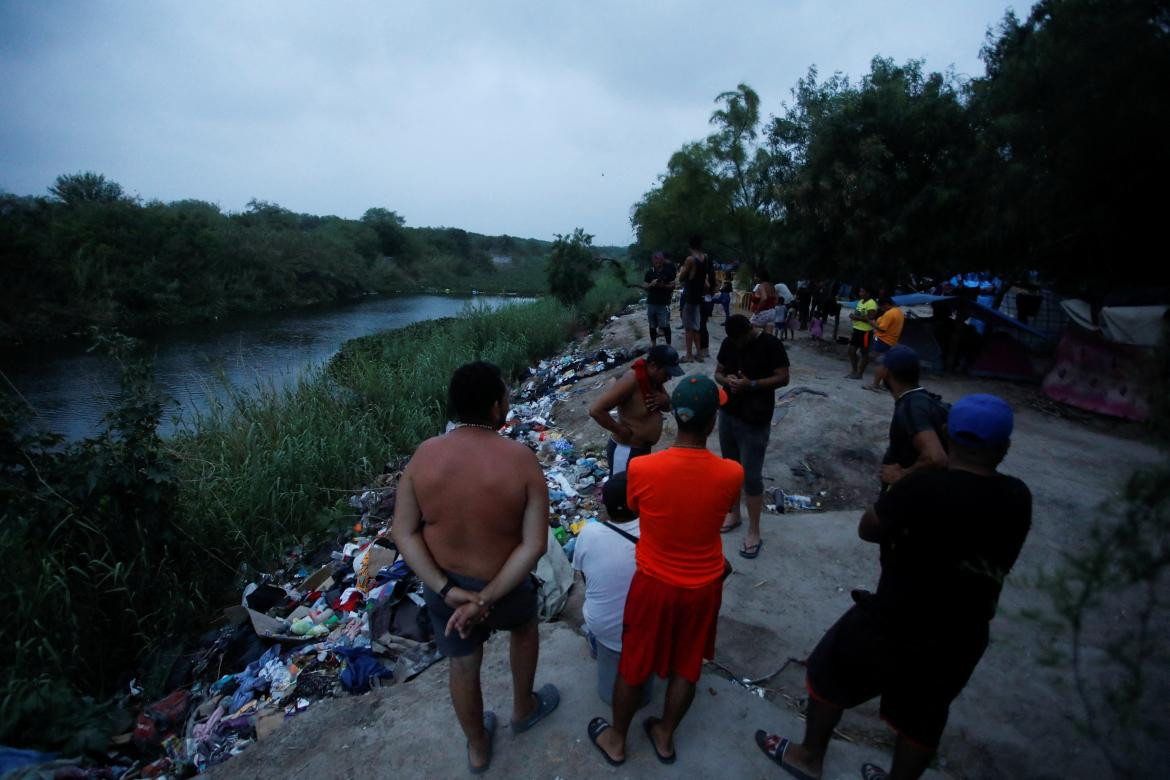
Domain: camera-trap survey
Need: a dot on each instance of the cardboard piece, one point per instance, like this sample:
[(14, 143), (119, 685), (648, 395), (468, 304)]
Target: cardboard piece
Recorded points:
[(378, 555), (322, 580), (264, 626)]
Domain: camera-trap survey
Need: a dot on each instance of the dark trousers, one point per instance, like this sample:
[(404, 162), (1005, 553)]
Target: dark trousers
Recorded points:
[(706, 309)]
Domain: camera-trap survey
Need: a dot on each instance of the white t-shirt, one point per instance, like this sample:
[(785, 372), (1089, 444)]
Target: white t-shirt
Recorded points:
[(607, 561)]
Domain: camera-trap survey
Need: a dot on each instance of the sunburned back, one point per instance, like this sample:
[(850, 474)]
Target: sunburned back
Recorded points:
[(472, 496)]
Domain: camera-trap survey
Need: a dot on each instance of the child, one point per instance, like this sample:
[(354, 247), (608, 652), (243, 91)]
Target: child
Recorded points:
[(781, 317)]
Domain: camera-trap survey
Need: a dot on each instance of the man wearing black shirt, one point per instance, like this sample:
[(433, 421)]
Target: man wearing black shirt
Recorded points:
[(659, 285), (951, 536), (751, 365), (916, 430)]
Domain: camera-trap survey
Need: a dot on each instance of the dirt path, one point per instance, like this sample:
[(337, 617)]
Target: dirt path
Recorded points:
[(1011, 721)]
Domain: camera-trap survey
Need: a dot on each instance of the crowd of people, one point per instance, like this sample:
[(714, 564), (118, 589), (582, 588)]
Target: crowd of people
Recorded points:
[(948, 525)]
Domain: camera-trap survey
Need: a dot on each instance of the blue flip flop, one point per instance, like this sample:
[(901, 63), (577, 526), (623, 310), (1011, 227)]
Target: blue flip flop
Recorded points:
[(489, 725), (549, 697), (775, 750)]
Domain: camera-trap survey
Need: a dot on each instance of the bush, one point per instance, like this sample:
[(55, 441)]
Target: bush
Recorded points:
[(570, 267)]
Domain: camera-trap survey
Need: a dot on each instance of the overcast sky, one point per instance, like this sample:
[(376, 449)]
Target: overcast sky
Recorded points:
[(526, 118)]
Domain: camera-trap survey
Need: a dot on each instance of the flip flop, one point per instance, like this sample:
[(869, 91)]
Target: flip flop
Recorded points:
[(774, 748), (596, 727), (751, 551), (726, 529), (489, 725), (872, 772), (646, 726), (549, 697), (871, 388)]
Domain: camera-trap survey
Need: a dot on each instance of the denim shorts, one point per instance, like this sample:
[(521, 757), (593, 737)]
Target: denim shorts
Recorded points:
[(746, 444), (658, 315), (690, 316)]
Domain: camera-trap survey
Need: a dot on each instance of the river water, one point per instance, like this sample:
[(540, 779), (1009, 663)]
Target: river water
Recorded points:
[(70, 389)]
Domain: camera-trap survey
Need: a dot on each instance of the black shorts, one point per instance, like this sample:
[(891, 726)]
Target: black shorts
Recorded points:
[(918, 678), (511, 612), (862, 339)]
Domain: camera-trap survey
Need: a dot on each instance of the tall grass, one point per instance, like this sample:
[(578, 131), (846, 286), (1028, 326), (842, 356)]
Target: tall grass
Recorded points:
[(269, 467)]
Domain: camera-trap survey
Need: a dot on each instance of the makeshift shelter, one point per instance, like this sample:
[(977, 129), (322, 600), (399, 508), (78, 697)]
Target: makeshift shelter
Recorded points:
[(1041, 310), (1101, 362)]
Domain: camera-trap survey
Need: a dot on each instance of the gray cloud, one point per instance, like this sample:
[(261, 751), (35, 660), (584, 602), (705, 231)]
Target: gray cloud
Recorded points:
[(500, 117)]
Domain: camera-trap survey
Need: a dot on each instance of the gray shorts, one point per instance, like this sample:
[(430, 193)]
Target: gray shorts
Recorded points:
[(746, 444), (659, 315), (690, 316), (515, 610), (607, 672)]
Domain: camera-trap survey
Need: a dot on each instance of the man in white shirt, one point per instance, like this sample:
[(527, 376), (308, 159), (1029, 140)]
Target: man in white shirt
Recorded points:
[(605, 557)]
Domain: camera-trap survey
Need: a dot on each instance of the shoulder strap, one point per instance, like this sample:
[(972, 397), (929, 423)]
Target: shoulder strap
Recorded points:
[(617, 530)]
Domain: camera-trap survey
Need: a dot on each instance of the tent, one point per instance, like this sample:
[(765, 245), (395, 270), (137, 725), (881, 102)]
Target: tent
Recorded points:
[(1101, 365)]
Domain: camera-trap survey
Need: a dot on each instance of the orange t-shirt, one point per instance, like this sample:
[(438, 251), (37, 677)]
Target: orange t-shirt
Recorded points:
[(890, 326), (681, 497)]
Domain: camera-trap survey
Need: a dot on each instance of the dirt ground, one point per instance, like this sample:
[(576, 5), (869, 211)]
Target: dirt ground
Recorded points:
[(1014, 719)]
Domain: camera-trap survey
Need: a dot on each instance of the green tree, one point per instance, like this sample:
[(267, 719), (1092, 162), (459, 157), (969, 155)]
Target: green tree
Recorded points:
[(871, 177), (1072, 114), (570, 267), (742, 167), (388, 225), (686, 200), (718, 188), (76, 188)]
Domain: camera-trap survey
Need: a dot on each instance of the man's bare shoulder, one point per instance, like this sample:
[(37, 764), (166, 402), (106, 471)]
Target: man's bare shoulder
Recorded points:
[(429, 448), (516, 449), (443, 445)]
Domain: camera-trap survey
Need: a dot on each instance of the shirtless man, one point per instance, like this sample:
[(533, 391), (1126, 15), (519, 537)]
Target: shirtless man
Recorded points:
[(640, 399), (486, 507)]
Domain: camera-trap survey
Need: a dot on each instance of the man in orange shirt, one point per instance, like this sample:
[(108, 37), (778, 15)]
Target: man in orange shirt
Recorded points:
[(889, 330), (682, 495)]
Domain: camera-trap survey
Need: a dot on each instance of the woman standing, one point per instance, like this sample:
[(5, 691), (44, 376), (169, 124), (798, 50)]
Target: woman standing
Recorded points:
[(763, 301)]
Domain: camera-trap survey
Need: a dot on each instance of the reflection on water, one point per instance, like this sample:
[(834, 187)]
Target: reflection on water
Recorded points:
[(70, 389)]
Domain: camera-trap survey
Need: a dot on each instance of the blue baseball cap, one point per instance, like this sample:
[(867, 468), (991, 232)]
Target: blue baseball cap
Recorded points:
[(981, 420)]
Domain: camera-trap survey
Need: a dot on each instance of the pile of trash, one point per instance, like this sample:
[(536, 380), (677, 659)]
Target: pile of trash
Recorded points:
[(299, 635), (574, 477)]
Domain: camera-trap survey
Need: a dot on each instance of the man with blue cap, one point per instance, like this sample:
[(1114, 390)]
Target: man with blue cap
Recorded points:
[(951, 537)]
